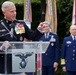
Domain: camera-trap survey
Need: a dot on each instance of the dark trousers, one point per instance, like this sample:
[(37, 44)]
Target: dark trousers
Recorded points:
[(47, 70)]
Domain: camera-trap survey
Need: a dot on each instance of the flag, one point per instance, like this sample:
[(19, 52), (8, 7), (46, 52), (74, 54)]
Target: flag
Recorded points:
[(74, 13), (39, 63), (27, 10), (28, 13), (51, 14)]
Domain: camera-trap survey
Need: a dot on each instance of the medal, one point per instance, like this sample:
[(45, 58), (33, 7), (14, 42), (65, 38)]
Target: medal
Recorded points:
[(21, 38), (52, 44), (52, 39), (19, 29)]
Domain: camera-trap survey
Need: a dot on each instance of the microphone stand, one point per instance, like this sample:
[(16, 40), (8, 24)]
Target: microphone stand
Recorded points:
[(6, 47)]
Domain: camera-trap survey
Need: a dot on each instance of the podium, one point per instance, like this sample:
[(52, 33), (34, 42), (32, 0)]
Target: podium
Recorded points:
[(22, 57)]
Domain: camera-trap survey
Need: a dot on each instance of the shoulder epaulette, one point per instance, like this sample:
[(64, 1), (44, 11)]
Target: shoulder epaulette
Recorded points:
[(0, 22), (20, 20), (55, 33)]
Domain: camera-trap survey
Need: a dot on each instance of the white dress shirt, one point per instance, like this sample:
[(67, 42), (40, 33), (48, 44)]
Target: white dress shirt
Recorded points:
[(73, 37)]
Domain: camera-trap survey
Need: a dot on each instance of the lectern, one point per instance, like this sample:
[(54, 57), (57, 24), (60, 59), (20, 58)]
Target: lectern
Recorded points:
[(23, 57)]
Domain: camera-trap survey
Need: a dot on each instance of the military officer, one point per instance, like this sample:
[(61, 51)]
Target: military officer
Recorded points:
[(51, 57), (68, 56), (12, 29)]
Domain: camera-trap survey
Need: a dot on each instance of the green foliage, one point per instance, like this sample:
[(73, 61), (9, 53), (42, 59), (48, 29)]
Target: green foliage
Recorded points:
[(35, 1), (35, 15), (18, 1), (1, 1), (64, 13), (22, 1)]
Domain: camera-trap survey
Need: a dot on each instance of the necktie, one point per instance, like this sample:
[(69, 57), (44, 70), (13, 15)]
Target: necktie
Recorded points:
[(46, 36), (74, 38)]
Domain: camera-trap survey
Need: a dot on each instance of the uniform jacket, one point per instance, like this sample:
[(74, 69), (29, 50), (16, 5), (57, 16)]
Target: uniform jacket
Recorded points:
[(68, 56), (52, 53), (21, 31)]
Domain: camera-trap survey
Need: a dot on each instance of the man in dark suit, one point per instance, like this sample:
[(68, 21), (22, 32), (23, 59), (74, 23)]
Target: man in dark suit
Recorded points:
[(51, 57), (68, 56), (12, 29)]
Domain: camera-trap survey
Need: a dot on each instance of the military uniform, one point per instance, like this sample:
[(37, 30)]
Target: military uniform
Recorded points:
[(68, 56), (20, 31), (51, 55)]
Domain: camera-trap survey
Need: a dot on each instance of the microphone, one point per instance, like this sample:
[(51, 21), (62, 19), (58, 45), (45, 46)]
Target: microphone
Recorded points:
[(12, 30), (11, 34)]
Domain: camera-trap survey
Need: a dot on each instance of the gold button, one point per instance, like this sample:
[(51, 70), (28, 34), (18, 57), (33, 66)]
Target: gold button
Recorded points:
[(46, 53), (74, 46), (73, 50), (73, 58), (2, 56), (73, 54)]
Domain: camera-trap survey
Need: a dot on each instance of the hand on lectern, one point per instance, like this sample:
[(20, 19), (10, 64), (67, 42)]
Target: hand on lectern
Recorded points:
[(5, 45)]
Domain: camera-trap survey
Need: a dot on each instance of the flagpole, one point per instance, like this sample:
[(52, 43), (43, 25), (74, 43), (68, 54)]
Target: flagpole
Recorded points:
[(55, 16), (74, 13)]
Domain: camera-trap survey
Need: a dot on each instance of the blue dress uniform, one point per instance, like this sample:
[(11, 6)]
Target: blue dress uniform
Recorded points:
[(68, 56), (51, 55), (20, 31)]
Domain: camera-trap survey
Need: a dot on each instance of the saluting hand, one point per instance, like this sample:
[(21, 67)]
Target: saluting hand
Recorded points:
[(42, 25)]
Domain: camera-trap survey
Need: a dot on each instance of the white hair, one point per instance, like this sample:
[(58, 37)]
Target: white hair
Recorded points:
[(7, 4), (49, 24)]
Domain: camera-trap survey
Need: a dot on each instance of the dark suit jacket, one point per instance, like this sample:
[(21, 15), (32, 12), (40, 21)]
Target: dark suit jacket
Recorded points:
[(69, 54), (52, 53)]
